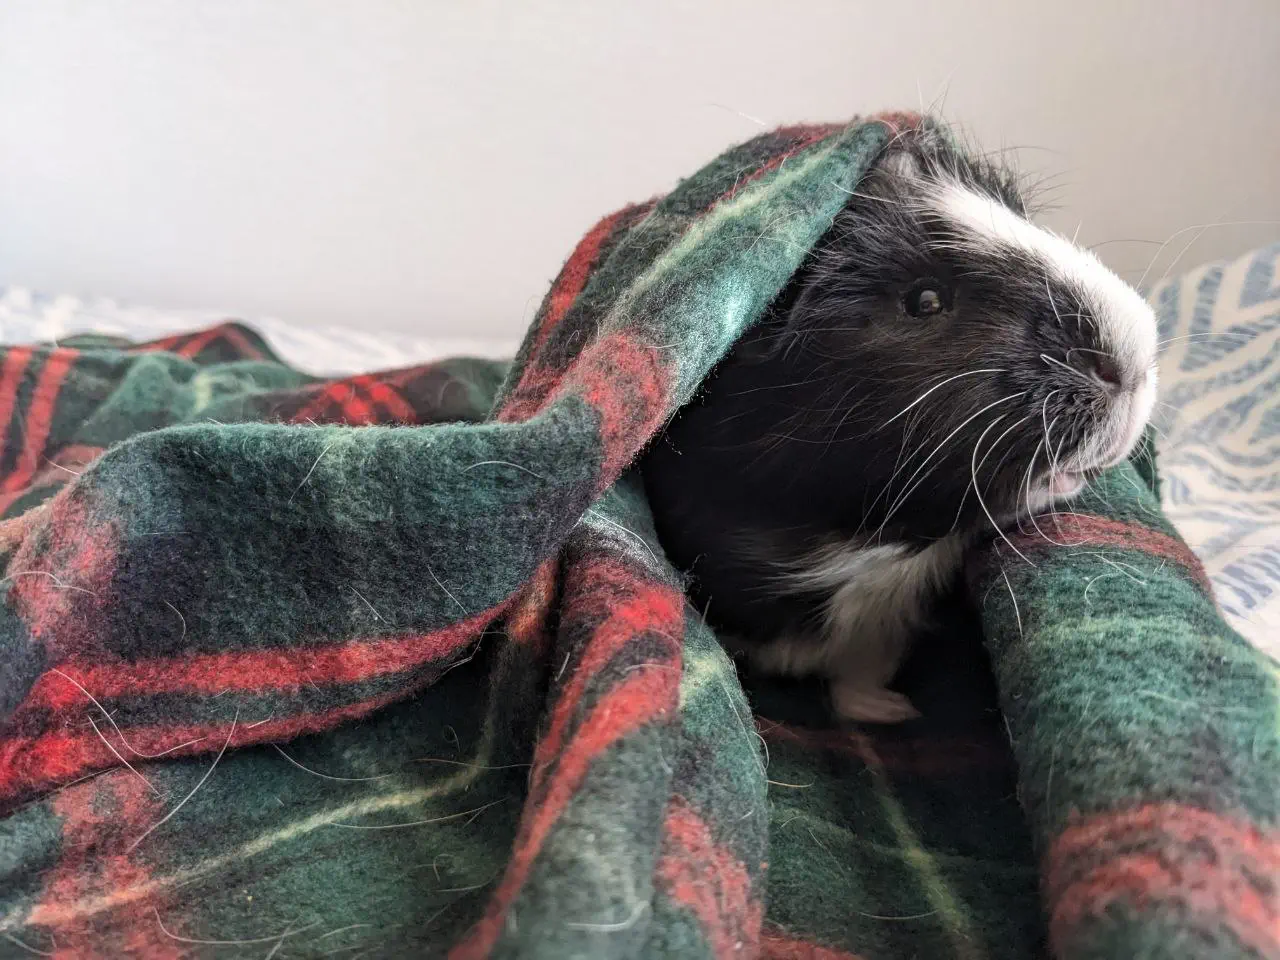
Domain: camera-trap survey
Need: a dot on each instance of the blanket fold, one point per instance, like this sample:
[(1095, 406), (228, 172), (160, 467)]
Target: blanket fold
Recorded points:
[(394, 665)]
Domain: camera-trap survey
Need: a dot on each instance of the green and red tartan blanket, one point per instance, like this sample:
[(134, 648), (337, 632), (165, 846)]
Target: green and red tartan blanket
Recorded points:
[(393, 666)]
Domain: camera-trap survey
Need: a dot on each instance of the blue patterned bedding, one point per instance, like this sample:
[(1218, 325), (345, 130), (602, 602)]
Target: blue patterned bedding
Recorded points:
[(1219, 414)]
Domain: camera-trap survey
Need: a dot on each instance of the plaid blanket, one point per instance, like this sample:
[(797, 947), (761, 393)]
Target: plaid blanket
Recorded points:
[(394, 666)]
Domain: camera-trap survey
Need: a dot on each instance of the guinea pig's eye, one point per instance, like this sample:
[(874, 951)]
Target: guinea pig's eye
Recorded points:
[(926, 298)]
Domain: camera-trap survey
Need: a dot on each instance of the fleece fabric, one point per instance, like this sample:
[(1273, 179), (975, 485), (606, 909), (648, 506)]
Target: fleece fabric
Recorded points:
[(394, 666)]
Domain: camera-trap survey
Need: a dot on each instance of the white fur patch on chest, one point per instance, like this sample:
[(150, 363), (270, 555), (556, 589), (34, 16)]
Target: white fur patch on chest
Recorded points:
[(884, 589), (878, 598)]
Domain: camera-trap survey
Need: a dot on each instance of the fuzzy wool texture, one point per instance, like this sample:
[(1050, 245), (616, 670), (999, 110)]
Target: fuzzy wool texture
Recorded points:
[(394, 665)]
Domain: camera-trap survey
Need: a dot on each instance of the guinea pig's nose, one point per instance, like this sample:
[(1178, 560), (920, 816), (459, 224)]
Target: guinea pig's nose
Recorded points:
[(1106, 370)]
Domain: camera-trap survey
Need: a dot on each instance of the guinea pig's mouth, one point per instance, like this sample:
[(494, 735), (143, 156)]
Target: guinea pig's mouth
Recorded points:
[(1067, 483)]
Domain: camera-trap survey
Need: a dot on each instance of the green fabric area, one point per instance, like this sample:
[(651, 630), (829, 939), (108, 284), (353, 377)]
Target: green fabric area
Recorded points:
[(431, 809), (1124, 685)]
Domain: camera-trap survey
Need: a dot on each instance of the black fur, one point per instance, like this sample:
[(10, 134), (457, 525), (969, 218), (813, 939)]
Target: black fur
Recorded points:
[(793, 442)]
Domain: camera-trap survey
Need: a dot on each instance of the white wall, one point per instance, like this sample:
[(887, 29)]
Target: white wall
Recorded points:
[(427, 165)]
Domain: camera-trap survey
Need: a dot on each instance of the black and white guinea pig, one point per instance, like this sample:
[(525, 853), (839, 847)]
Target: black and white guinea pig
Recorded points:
[(940, 367)]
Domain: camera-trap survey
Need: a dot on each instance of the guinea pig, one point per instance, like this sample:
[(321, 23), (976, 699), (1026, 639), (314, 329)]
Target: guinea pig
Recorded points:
[(939, 370)]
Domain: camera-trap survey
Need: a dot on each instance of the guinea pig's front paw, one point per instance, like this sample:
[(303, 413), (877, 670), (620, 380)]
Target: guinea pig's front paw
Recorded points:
[(857, 701)]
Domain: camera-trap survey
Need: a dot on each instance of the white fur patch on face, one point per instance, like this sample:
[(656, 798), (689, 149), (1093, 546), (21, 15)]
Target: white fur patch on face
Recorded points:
[(1126, 324)]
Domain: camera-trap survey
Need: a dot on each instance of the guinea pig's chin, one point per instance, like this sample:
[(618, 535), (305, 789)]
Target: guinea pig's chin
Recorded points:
[(1050, 489), (1053, 488), (1064, 483)]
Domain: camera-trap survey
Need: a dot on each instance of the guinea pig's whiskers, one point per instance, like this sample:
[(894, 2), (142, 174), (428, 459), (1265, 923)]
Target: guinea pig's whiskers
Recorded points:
[(841, 405), (995, 471), (1066, 366), (973, 471), (866, 196), (1140, 491), (975, 466), (1054, 454), (1054, 305), (1181, 253), (913, 483), (1044, 412), (1057, 453), (990, 450), (1025, 487), (1080, 319), (939, 386), (1042, 445), (1101, 353), (1159, 432), (775, 386), (1210, 336), (903, 461), (1201, 227)]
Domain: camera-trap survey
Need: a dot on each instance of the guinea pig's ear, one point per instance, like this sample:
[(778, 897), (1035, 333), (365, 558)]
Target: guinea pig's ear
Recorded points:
[(772, 332), (824, 302)]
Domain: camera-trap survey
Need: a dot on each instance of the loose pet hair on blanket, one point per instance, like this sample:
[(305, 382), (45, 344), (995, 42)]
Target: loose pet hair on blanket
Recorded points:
[(938, 369)]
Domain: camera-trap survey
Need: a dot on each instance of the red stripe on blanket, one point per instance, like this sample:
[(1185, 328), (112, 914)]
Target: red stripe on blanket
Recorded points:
[(629, 385), (643, 697), (197, 342), (189, 345), (536, 387), (244, 348), (155, 346), (527, 624), (536, 380), (31, 765), (74, 457), (777, 945), (806, 135), (362, 400), (15, 530), (899, 121), (39, 417), (387, 397), (11, 374), (1213, 869), (255, 670), (98, 821), (62, 577), (186, 345), (655, 609), (162, 345), (708, 881), (1080, 530), (61, 468), (574, 276)]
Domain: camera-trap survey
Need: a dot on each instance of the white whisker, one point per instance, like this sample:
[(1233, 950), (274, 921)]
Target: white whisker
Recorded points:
[(1066, 366), (968, 373), (912, 486)]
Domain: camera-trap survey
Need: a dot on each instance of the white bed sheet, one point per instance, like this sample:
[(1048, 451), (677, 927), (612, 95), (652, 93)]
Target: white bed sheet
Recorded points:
[(27, 317)]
